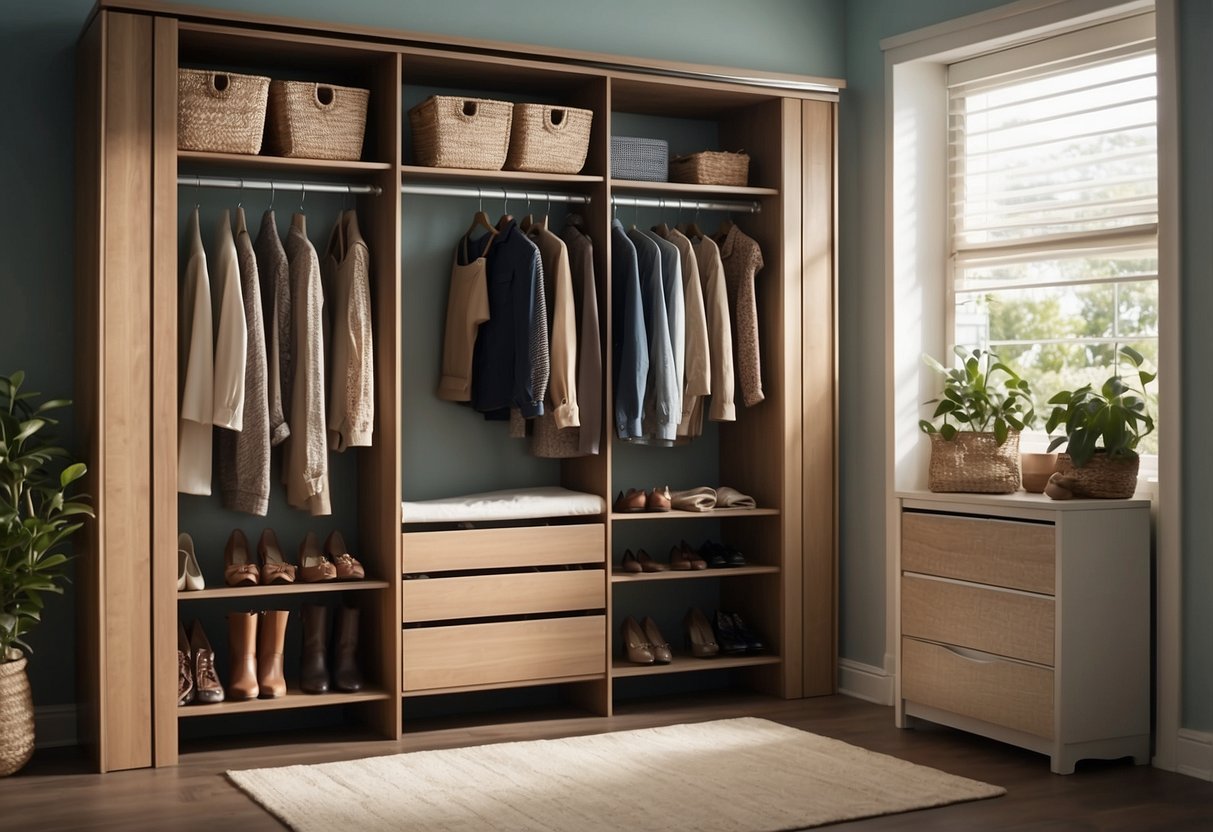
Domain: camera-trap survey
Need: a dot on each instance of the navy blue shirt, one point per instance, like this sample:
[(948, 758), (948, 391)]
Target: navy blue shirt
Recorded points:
[(627, 336)]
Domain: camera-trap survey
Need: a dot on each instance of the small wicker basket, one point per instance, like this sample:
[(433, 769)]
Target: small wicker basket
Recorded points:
[(646, 160), (454, 132), (1103, 477), (974, 463), (548, 139), (220, 112), (711, 167), (16, 714), (316, 121)]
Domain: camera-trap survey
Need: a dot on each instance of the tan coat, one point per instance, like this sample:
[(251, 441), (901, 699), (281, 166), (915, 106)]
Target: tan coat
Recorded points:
[(195, 353), (273, 270), (231, 331), (562, 327), (698, 377), (720, 333), (346, 271)]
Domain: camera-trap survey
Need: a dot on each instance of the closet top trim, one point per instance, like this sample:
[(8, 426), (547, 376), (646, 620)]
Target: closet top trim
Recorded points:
[(790, 83)]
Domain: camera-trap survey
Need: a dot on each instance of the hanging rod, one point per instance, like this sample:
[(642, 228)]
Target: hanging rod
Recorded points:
[(490, 192), (286, 185), (738, 205)]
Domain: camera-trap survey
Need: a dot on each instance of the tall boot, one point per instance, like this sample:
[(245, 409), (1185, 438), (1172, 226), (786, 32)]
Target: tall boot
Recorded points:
[(346, 675), (242, 643), (313, 670), (271, 636)]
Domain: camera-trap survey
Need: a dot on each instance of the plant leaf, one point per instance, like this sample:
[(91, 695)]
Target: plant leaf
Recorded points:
[(72, 473), (1133, 355)]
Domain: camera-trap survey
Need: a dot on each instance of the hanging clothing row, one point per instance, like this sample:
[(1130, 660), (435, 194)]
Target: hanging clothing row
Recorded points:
[(686, 316), (261, 332)]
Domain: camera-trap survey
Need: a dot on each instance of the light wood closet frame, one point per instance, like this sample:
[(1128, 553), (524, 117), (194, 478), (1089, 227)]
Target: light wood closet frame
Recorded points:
[(784, 451)]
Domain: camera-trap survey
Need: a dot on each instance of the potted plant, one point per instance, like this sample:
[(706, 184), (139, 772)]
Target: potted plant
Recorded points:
[(1101, 431), (984, 406), (37, 515)]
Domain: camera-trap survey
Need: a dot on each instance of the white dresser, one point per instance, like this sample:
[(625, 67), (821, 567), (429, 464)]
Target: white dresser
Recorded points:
[(1027, 620)]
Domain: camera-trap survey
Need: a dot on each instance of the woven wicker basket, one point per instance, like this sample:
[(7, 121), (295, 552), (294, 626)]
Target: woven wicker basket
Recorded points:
[(16, 715), (316, 121), (974, 463), (453, 132), (711, 167), (548, 139), (220, 112), (1103, 477), (647, 160)]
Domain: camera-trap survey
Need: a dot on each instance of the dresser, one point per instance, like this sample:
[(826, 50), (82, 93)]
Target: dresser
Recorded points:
[(1027, 620)]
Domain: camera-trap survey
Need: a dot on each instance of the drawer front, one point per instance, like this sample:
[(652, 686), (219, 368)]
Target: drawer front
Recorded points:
[(503, 652), (998, 552), (504, 548), (482, 596), (982, 618), (1016, 696)]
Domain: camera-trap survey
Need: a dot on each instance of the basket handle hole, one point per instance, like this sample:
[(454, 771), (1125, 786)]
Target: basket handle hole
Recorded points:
[(220, 81), (557, 117), (324, 95), (469, 108)]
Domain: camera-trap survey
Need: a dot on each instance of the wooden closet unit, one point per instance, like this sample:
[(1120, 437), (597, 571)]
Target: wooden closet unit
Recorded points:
[(446, 609)]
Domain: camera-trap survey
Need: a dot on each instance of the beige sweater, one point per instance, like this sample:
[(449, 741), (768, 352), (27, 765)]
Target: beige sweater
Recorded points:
[(562, 327), (231, 331), (698, 381), (720, 332), (196, 358), (346, 271), (273, 270)]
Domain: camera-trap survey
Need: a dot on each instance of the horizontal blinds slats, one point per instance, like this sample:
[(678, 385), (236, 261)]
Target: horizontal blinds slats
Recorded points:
[(959, 134), (1067, 164), (958, 98), (1045, 246)]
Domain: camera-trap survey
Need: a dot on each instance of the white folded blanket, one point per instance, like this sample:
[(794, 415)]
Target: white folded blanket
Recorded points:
[(510, 504)]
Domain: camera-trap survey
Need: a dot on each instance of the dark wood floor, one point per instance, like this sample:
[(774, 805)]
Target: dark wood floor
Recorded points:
[(55, 791)]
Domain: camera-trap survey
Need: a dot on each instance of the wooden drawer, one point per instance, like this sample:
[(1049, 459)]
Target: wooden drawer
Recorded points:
[(503, 548), (998, 552), (1017, 696), (482, 596), (503, 652), (997, 621)]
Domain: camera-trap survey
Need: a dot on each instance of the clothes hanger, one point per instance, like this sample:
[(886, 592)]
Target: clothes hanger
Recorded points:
[(661, 228), (529, 220), (547, 212), (506, 217), (481, 219), (692, 229)]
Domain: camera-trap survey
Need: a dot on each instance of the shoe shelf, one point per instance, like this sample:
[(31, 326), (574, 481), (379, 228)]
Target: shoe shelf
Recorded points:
[(671, 575), (283, 589), (424, 173), (203, 159), (688, 664), (294, 698), (676, 514)]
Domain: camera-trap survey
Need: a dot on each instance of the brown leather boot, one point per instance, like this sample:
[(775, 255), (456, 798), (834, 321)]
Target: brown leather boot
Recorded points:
[(242, 644), (271, 636), (207, 689), (185, 668), (313, 670), (346, 675)]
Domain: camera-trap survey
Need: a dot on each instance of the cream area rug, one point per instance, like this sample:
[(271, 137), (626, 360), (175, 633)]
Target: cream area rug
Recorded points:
[(742, 775)]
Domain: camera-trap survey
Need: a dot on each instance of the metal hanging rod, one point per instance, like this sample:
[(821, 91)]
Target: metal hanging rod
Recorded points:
[(493, 193), (284, 185), (738, 205)]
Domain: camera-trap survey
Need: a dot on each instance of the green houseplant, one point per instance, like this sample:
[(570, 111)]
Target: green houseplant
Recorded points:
[(37, 515), (1101, 430), (983, 407)]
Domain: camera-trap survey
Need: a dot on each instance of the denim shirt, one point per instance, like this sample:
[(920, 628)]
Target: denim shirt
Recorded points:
[(663, 397), (627, 336)]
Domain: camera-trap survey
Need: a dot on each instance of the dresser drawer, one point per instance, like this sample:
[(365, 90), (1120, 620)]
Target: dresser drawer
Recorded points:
[(503, 652), (998, 621), (998, 552), (483, 596), (1016, 696), (469, 549)]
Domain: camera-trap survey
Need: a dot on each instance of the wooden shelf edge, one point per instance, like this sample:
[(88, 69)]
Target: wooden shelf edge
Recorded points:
[(280, 589), (734, 572), (423, 173), (244, 160), (521, 683), (293, 699), (714, 514), (637, 185), (689, 664)]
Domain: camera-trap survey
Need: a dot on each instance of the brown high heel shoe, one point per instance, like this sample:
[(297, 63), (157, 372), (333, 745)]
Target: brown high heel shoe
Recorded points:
[(647, 564), (238, 566), (630, 501), (700, 635), (348, 567), (635, 648), (658, 499), (274, 568), (692, 557), (314, 567), (629, 564), (657, 643)]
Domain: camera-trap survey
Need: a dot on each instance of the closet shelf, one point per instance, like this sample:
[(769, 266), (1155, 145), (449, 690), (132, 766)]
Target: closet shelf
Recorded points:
[(294, 698), (629, 578), (279, 589), (714, 514), (635, 186), (201, 159), (688, 664), (423, 173)]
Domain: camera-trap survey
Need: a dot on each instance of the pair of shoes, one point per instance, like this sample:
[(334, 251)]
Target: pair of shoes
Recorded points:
[(643, 643), (684, 559), (314, 676), (189, 574), (721, 555), (197, 681), (699, 634), (640, 562), (635, 500), (256, 641), (333, 563), (734, 636)]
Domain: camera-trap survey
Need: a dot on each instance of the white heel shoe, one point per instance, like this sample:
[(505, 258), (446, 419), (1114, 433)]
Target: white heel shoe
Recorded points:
[(189, 575)]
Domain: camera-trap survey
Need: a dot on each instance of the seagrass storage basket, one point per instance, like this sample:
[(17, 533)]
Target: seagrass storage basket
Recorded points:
[(1103, 477), (220, 112), (548, 139), (454, 132), (711, 167), (645, 159), (316, 121), (974, 463)]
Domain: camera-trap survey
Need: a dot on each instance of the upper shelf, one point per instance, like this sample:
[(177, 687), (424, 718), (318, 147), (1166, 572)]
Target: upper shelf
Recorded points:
[(204, 160), (423, 173), (677, 514), (635, 185)]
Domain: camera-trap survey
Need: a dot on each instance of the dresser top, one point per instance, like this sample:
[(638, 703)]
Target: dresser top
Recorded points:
[(1019, 500)]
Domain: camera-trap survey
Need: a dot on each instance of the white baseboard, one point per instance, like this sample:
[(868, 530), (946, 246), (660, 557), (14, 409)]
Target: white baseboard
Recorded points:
[(1194, 754), (55, 726), (865, 681)]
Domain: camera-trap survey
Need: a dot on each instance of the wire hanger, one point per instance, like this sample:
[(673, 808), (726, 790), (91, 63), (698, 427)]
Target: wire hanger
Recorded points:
[(528, 221), (662, 228), (302, 196), (692, 229), (506, 217), (273, 193), (481, 219)]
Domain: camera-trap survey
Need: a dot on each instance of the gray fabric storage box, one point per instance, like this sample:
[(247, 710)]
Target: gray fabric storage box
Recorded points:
[(644, 159)]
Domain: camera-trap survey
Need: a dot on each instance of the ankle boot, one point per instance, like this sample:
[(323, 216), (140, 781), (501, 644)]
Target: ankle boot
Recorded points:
[(346, 675), (207, 689), (185, 669), (313, 670), (242, 644), (271, 636)]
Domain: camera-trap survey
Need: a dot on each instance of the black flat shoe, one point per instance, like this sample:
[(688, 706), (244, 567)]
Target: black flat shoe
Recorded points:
[(752, 642), (713, 554), (726, 635), (732, 557)]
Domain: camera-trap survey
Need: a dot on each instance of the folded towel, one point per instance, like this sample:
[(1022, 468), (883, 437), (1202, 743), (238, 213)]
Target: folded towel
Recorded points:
[(732, 498), (694, 499)]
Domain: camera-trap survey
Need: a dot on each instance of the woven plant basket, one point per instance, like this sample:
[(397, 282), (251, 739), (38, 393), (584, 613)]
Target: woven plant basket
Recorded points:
[(1103, 477), (454, 132), (16, 715), (220, 112), (647, 160), (316, 121), (974, 463), (548, 139), (711, 167)]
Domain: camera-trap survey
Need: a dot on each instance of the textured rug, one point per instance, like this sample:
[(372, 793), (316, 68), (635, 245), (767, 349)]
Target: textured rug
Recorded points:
[(745, 775)]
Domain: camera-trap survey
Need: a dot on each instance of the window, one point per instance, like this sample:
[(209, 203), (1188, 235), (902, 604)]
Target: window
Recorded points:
[(1053, 192)]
